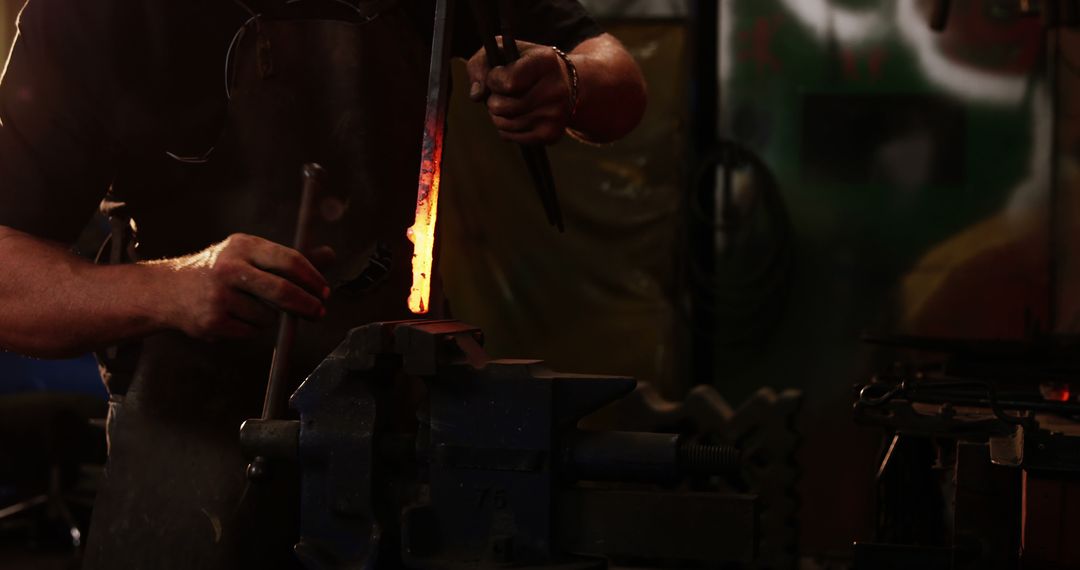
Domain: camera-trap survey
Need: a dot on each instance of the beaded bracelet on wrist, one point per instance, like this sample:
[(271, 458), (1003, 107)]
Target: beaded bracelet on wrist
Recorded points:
[(572, 72)]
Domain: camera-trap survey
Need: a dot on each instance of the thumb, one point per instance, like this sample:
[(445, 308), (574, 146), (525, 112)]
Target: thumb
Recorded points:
[(478, 69)]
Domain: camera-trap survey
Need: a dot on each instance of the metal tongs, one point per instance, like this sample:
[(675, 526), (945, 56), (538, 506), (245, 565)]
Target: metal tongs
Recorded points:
[(485, 14)]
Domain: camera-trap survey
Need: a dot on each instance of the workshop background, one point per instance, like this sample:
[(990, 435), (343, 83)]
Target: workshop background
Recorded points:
[(809, 171)]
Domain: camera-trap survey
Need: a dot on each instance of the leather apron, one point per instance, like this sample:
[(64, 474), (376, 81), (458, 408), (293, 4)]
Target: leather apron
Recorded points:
[(350, 96)]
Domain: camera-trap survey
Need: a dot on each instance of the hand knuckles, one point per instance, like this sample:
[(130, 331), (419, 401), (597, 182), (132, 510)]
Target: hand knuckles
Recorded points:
[(500, 81), (298, 264), (238, 241), (498, 106), (225, 268), (281, 290)]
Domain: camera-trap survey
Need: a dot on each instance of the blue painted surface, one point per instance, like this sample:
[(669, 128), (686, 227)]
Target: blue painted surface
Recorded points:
[(20, 374)]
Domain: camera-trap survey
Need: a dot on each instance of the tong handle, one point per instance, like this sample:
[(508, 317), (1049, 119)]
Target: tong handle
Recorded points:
[(536, 159)]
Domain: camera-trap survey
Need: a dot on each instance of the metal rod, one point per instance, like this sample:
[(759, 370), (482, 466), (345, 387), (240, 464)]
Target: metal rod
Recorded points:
[(507, 30), (277, 387), (23, 506), (422, 233), (275, 403)]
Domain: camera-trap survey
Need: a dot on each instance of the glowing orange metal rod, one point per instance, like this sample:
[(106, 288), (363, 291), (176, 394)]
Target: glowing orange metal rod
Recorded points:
[(422, 233)]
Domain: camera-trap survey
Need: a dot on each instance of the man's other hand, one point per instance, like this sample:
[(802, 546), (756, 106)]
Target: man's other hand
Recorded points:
[(533, 101), (238, 287), (530, 100)]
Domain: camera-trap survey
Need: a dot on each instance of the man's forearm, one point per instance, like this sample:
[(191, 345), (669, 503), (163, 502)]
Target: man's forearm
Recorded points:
[(612, 94), (54, 304)]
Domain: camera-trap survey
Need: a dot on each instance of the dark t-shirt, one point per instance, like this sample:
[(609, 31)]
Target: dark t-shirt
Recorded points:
[(92, 88)]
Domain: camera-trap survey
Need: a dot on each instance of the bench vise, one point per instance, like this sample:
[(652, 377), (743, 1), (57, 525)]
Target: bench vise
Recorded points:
[(418, 450)]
